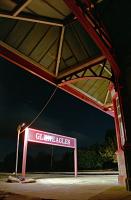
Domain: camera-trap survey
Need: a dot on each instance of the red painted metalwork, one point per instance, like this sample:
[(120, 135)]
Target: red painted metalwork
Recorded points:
[(75, 158), (24, 64), (86, 99), (120, 143), (43, 137), (84, 78), (99, 26), (25, 152), (119, 146), (93, 34)]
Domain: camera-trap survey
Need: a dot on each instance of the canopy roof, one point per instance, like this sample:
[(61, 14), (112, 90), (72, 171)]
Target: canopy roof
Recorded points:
[(48, 39)]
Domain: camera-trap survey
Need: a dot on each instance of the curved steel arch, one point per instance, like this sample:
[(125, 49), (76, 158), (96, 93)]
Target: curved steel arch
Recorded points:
[(65, 82)]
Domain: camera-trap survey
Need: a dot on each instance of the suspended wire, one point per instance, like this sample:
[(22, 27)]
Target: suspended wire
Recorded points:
[(52, 95)]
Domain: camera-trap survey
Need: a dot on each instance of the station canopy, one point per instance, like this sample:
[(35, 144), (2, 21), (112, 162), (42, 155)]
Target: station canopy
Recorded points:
[(45, 38)]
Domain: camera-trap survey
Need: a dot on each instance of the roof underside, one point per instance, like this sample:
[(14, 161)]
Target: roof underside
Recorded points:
[(45, 38)]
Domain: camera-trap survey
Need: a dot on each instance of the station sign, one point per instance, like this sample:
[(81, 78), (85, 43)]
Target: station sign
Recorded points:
[(50, 138), (43, 137)]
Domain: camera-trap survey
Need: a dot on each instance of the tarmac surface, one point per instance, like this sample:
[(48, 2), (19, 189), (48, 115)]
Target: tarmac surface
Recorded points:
[(59, 186)]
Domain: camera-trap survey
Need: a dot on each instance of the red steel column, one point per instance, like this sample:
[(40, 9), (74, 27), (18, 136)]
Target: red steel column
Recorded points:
[(75, 158), (25, 152), (125, 101), (120, 137)]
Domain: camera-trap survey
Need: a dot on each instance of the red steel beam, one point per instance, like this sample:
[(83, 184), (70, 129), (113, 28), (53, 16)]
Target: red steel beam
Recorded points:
[(93, 34), (24, 64), (86, 99)]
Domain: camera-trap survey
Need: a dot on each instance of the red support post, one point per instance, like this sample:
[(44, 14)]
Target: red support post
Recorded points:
[(25, 152), (119, 145), (75, 158), (120, 137)]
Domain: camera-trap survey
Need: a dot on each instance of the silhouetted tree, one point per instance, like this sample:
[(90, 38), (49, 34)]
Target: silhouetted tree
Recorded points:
[(90, 158), (108, 149)]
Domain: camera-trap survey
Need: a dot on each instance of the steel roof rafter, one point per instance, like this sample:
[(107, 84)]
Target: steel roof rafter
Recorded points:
[(60, 50), (81, 66), (107, 95), (87, 6), (54, 8), (103, 67), (82, 75), (20, 7), (75, 70), (32, 18), (90, 29)]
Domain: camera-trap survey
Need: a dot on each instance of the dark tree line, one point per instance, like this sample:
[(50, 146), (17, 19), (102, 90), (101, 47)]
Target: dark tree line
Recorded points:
[(97, 156)]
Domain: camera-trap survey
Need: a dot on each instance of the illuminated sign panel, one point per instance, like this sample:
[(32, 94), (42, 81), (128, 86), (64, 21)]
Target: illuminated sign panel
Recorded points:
[(50, 138), (43, 137)]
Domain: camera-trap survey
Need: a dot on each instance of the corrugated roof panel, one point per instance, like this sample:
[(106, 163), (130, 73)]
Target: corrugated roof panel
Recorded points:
[(33, 38), (52, 67), (80, 84), (108, 65), (80, 73), (45, 44), (84, 85), (106, 73), (88, 73), (83, 88), (7, 5), (62, 64), (102, 90), (18, 33), (61, 6), (75, 44), (43, 8), (6, 26), (88, 87), (67, 57), (49, 60), (109, 99), (96, 69), (71, 61), (86, 40), (66, 52), (94, 89)]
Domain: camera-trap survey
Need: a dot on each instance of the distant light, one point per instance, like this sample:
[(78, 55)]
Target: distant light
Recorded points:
[(20, 126)]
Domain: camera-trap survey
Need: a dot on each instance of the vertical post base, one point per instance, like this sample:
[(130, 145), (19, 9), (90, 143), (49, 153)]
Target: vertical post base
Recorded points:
[(121, 167), (128, 184), (122, 180), (127, 152)]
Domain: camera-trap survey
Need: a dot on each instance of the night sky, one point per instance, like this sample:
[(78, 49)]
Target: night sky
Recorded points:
[(24, 95)]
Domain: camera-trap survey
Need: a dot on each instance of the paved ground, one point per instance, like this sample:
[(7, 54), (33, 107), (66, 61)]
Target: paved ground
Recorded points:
[(65, 187)]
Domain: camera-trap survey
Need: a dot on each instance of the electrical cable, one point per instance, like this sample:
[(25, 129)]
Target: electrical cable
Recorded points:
[(52, 95)]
